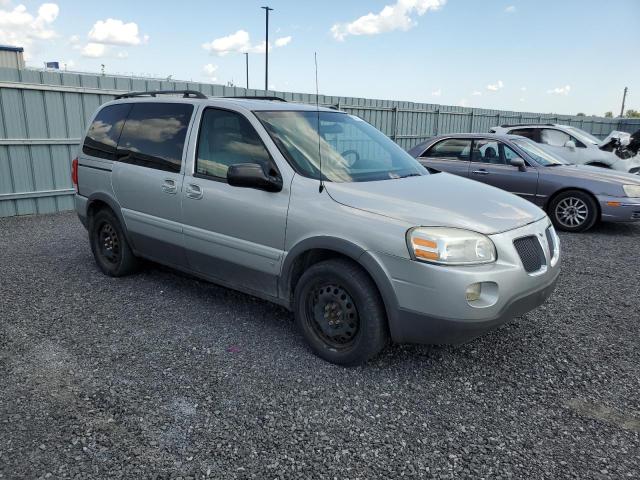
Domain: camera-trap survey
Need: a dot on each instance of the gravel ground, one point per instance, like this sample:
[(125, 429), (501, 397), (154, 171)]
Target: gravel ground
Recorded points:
[(160, 375)]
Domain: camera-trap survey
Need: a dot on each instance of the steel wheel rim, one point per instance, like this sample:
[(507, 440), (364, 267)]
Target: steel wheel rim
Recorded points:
[(109, 243), (572, 212), (332, 315)]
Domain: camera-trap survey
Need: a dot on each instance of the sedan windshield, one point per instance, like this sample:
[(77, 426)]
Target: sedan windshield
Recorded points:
[(545, 159), (583, 136), (344, 147)]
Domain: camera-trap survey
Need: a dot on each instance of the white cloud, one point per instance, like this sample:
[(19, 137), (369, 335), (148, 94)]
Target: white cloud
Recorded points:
[(116, 32), (122, 54), (236, 42), (437, 93), (560, 90), (523, 89), (523, 99), (210, 71), (510, 9), (494, 87), (392, 17), (240, 42), (94, 50), (283, 41), (20, 28), (463, 102), (476, 93)]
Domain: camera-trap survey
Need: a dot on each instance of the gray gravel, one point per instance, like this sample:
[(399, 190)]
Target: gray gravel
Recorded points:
[(159, 375)]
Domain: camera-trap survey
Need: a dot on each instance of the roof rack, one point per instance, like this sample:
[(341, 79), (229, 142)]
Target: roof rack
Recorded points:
[(506, 125), (251, 97), (153, 93)]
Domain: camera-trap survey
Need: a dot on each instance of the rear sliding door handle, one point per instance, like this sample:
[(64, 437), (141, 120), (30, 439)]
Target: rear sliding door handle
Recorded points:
[(169, 186), (194, 191), (482, 171)]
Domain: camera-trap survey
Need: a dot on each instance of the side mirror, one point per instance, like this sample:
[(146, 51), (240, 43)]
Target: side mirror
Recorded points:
[(518, 162), (251, 175), (570, 144)]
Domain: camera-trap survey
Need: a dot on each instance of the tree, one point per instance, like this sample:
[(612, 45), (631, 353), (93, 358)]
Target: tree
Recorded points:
[(580, 114), (632, 113), (608, 114)]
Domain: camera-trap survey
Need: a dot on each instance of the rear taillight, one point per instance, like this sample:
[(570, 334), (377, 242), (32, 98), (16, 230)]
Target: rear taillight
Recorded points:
[(74, 173)]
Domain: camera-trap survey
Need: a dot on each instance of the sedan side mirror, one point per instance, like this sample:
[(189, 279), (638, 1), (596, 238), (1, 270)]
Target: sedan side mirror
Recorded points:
[(251, 175), (518, 162), (570, 144)]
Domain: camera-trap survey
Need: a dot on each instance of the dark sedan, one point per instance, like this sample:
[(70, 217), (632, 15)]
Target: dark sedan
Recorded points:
[(574, 196)]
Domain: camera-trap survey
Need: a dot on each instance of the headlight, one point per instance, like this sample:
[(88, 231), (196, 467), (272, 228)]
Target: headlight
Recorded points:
[(450, 246), (632, 190)]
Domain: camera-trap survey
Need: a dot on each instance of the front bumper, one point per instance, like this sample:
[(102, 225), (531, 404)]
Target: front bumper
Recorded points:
[(431, 304), (619, 209)]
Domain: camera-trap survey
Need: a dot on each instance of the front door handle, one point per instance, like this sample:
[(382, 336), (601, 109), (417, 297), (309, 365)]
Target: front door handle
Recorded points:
[(169, 186), (194, 191), (482, 171)]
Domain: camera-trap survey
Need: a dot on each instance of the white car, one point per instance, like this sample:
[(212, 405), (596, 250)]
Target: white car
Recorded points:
[(579, 147)]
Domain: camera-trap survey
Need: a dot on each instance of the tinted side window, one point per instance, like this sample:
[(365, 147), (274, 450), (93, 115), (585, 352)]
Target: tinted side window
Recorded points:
[(532, 133), (227, 138), (102, 138), (457, 148), (153, 135), (554, 137)]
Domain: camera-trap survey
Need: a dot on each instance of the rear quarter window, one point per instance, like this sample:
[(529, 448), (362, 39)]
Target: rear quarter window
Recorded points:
[(102, 138)]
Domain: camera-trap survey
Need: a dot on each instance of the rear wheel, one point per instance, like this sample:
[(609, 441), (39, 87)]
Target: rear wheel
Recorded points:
[(573, 211), (340, 313), (109, 245)]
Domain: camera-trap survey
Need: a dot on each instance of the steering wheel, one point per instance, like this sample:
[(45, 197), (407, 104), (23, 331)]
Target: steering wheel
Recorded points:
[(351, 152)]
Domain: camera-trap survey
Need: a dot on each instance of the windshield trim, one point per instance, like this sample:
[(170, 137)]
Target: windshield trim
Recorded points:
[(525, 141)]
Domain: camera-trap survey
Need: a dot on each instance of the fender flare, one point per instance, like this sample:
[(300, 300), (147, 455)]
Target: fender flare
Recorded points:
[(115, 208), (351, 250)]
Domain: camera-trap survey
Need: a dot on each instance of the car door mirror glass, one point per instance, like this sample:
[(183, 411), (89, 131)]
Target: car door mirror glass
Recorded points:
[(570, 144), (252, 175)]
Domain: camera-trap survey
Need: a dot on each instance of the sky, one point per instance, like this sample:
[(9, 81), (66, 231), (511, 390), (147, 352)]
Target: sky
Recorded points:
[(527, 55)]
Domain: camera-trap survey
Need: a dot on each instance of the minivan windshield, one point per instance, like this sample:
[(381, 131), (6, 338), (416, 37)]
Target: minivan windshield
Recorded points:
[(545, 159), (346, 147)]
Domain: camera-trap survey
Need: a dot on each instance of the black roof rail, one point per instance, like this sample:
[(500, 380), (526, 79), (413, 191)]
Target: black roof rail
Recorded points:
[(507, 125), (251, 97), (153, 93)]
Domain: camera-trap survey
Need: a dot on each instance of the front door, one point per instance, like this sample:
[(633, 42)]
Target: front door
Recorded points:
[(147, 178), (234, 235), (491, 165)]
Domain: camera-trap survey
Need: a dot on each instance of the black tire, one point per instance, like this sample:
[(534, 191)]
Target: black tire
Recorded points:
[(109, 245), (338, 291), (573, 211)]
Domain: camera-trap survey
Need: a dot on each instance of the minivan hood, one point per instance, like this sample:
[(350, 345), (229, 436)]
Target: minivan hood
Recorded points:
[(439, 199)]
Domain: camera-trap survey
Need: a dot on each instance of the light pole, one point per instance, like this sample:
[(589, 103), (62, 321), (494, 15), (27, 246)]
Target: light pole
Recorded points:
[(266, 48), (246, 57), (624, 98)]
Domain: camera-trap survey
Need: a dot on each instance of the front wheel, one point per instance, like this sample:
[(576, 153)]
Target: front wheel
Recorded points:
[(340, 313), (573, 211)]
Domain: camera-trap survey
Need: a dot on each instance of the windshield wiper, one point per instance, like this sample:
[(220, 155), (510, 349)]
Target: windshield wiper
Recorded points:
[(411, 175)]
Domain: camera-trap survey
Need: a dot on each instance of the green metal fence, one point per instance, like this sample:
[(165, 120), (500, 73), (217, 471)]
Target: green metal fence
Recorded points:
[(43, 115)]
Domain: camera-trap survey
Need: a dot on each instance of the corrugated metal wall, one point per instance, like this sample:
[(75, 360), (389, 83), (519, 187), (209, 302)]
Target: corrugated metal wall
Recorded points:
[(43, 115)]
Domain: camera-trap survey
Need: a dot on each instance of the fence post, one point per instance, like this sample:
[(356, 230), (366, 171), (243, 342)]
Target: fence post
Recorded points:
[(437, 121), (395, 122), (472, 119)]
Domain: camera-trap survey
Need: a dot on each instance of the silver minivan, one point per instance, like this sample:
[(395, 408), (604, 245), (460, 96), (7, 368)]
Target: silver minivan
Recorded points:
[(313, 209)]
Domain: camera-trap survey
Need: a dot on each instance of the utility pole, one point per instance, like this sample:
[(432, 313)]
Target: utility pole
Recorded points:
[(266, 46), (246, 57), (624, 98)]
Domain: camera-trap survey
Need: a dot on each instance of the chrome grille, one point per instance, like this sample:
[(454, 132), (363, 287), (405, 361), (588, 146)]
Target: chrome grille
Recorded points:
[(531, 253)]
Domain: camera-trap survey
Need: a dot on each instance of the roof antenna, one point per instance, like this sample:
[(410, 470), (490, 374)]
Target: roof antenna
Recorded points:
[(321, 187)]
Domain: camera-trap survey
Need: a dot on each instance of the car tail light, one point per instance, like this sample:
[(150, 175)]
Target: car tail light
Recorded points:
[(74, 173)]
